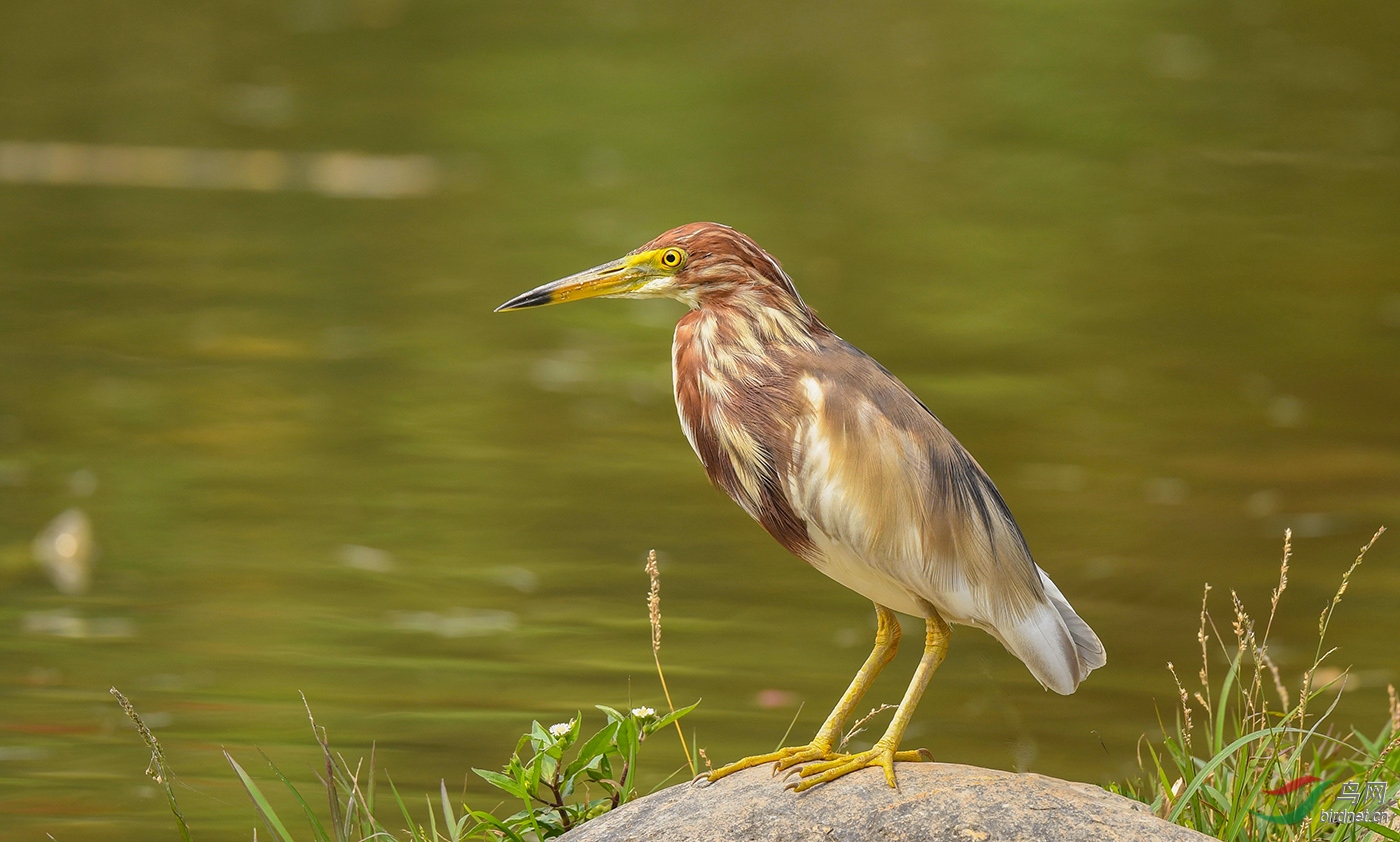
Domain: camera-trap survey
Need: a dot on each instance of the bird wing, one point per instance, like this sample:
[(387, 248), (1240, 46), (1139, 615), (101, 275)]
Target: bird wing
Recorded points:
[(881, 483)]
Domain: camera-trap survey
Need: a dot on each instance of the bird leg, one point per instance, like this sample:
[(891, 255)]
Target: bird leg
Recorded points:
[(886, 750), (822, 746)]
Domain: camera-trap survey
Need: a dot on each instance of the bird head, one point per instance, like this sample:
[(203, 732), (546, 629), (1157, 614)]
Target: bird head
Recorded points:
[(700, 264)]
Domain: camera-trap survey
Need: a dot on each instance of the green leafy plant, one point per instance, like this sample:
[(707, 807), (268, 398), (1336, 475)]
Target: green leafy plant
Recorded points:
[(562, 781), (1257, 764)]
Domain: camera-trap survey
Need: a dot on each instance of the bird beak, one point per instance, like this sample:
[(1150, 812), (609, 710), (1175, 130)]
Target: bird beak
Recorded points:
[(620, 277)]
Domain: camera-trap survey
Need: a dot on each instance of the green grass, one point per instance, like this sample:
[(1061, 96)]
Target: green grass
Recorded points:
[(1239, 741)]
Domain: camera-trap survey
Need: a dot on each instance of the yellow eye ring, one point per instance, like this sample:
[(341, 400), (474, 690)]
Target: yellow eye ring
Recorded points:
[(672, 258)]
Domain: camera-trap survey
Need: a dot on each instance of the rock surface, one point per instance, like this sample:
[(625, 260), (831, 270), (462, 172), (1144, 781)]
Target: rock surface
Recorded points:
[(935, 801)]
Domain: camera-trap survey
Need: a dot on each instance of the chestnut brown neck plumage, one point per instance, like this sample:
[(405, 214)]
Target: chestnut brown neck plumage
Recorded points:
[(734, 360)]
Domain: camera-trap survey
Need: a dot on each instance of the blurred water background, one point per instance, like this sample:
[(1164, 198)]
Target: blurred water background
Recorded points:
[(260, 432)]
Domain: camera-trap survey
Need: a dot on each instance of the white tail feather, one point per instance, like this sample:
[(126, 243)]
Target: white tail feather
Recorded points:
[(1086, 643), (1054, 643)]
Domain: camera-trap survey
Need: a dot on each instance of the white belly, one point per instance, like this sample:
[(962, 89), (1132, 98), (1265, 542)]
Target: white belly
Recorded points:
[(837, 561)]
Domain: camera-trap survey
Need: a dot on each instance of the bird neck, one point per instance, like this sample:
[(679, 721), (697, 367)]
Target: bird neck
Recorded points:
[(734, 363), (755, 322)]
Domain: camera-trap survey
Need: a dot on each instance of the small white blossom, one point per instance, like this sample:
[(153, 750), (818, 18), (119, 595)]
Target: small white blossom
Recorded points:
[(559, 729), (643, 712)]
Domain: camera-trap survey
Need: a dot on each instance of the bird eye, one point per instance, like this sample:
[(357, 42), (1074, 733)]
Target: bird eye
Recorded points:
[(672, 258)]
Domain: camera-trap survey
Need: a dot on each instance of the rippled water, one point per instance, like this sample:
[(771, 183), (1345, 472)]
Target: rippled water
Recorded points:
[(1141, 261)]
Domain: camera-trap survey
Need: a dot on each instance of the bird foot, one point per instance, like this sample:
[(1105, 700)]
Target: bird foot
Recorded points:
[(883, 756), (783, 758)]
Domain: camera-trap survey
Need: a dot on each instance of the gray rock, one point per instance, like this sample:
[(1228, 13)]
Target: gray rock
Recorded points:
[(935, 801)]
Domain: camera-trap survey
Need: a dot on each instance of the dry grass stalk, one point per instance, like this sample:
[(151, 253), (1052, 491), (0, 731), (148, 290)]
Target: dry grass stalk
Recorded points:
[(1346, 580), (1185, 707), (1273, 610), (1304, 692), (156, 770), (654, 613), (1203, 638), (1325, 619), (1282, 580), (654, 601), (1242, 625), (323, 740), (1394, 743), (1278, 682), (860, 725)]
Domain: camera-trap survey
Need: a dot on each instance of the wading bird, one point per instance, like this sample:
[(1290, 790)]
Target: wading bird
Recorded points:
[(846, 468)]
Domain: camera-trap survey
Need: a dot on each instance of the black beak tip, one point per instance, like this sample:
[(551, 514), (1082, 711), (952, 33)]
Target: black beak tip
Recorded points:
[(533, 298)]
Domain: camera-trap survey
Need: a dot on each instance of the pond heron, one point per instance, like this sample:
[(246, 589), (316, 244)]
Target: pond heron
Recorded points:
[(846, 468)]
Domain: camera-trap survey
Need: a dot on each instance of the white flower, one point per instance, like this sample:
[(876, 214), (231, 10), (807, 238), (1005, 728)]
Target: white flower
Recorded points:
[(559, 729), (643, 712)]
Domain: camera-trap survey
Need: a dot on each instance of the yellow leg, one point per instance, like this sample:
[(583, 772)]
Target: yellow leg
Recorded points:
[(886, 750), (828, 736)]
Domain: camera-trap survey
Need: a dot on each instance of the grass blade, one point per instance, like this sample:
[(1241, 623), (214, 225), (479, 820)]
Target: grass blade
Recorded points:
[(447, 814), (403, 808), (316, 825), (784, 737), (260, 801), (1224, 703), (1381, 830)]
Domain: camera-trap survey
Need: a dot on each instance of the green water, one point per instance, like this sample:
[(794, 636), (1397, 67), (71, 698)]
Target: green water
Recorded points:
[(1142, 259)]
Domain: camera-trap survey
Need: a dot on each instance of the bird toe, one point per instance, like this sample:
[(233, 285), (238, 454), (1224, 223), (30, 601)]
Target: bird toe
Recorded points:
[(815, 774)]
